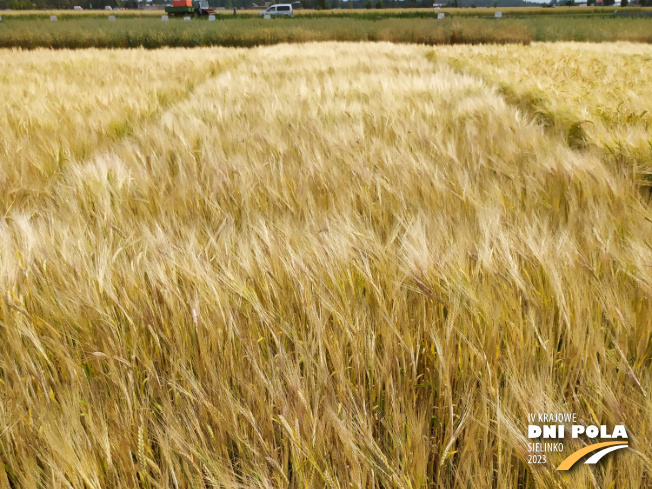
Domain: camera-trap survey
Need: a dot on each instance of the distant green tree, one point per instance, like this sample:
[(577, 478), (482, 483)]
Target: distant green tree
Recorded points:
[(624, 3), (367, 4), (20, 5), (380, 4), (321, 5)]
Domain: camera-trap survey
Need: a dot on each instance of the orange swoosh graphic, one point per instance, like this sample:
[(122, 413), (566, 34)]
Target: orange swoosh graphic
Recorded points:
[(575, 456)]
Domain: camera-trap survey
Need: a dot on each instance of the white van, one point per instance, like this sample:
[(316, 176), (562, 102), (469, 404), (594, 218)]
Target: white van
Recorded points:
[(77, 7), (280, 10)]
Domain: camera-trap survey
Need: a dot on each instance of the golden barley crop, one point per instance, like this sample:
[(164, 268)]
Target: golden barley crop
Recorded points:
[(596, 94), (316, 265)]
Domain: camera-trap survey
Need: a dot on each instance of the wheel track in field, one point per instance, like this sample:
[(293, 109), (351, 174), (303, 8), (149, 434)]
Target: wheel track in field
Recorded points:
[(564, 124), (116, 131), (534, 105), (121, 130)]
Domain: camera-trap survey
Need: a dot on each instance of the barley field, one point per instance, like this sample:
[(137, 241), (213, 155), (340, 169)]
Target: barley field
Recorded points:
[(134, 29), (345, 11), (594, 95), (322, 265)]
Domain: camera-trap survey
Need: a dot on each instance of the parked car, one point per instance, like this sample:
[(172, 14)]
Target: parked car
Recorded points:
[(108, 8), (280, 10), (77, 7)]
